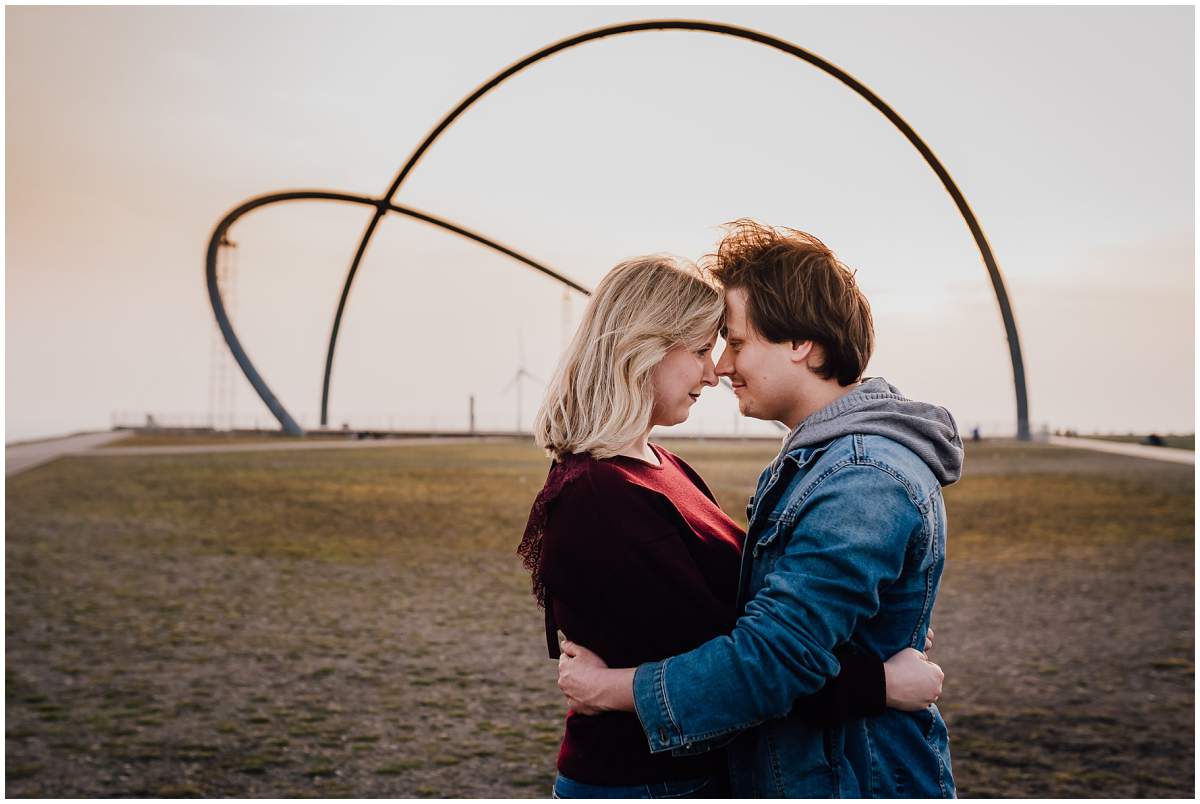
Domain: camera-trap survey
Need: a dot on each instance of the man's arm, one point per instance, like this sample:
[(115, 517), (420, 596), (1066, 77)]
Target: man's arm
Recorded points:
[(864, 686), (850, 540)]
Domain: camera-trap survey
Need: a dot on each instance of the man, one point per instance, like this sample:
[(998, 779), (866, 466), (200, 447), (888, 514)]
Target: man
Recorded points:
[(845, 544)]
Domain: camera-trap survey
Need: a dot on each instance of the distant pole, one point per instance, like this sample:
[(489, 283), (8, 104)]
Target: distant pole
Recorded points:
[(471, 429), (566, 317), (520, 372)]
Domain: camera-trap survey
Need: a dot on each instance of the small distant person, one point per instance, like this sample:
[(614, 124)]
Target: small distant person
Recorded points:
[(846, 545), (975, 435), (630, 553)]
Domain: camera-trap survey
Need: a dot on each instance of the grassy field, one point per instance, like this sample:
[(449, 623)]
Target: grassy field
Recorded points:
[(356, 623)]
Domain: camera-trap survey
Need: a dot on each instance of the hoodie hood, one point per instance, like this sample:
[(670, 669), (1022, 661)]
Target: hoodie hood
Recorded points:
[(876, 407)]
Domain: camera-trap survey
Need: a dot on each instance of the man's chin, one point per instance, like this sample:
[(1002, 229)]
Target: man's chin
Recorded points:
[(746, 408)]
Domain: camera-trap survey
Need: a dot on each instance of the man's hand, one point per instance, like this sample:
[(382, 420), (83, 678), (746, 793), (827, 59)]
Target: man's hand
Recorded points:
[(913, 682), (590, 686)]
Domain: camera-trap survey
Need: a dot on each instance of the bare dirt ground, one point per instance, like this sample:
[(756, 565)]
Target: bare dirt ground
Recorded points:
[(357, 624)]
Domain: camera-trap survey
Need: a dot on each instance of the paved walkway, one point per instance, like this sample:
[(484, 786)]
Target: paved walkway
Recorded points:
[(21, 457), (283, 444), (1133, 450)]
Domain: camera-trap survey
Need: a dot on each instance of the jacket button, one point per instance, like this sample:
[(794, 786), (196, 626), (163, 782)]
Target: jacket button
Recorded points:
[(662, 733)]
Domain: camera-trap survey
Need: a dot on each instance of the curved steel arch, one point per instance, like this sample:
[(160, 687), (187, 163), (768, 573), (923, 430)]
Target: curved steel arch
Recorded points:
[(383, 206), (214, 294)]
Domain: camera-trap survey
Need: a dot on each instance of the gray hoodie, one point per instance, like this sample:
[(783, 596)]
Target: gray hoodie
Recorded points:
[(876, 407)]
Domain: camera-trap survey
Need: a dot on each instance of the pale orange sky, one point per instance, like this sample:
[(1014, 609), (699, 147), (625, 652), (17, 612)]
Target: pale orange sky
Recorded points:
[(130, 131)]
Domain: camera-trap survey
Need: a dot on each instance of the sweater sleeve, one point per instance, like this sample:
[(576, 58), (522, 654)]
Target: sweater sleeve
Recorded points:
[(858, 690)]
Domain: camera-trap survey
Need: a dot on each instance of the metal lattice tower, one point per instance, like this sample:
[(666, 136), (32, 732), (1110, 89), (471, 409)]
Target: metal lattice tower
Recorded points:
[(223, 371)]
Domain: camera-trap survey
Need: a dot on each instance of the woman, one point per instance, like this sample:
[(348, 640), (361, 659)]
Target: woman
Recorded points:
[(629, 552)]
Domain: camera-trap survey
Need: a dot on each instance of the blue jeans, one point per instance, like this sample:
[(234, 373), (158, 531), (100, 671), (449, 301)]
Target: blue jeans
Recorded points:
[(704, 787)]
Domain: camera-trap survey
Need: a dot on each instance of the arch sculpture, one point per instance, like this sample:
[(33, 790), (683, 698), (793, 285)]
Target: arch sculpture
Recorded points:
[(385, 205)]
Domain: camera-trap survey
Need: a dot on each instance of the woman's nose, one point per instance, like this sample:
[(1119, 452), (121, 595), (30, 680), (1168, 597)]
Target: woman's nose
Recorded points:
[(710, 372), (725, 364)]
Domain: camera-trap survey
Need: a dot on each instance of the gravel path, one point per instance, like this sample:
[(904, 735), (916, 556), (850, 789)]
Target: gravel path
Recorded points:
[(1131, 450), (23, 457)]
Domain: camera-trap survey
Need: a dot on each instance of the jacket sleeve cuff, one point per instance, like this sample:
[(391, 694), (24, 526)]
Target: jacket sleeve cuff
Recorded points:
[(650, 701)]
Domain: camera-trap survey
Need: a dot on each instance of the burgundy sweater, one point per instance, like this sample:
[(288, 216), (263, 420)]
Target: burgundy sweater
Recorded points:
[(640, 563)]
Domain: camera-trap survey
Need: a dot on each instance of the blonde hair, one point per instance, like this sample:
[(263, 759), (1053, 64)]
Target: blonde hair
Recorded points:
[(601, 397)]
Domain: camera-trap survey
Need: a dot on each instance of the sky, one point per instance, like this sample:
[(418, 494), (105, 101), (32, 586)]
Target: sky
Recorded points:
[(131, 131)]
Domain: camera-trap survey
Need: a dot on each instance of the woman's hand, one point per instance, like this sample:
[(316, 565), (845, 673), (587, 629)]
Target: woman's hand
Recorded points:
[(929, 639), (582, 656), (575, 678), (589, 685), (913, 682)]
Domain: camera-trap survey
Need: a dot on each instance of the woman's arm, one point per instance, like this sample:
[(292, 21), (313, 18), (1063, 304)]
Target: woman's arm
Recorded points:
[(866, 686), (907, 681)]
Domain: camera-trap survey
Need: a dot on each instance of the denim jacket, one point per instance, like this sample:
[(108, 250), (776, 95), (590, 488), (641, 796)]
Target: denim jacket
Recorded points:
[(846, 544)]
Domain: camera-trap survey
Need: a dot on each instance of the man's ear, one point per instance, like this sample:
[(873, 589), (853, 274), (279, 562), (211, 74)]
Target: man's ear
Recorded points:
[(801, 350)]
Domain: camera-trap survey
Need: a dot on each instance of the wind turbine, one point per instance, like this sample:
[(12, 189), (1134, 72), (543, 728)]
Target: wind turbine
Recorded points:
[(519, 376)]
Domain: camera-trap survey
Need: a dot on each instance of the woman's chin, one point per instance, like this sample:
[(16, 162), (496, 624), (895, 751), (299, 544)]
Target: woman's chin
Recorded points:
[(680, 419)]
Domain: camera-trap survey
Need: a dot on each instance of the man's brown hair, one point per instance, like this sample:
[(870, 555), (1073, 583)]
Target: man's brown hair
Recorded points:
[(797, 290)]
